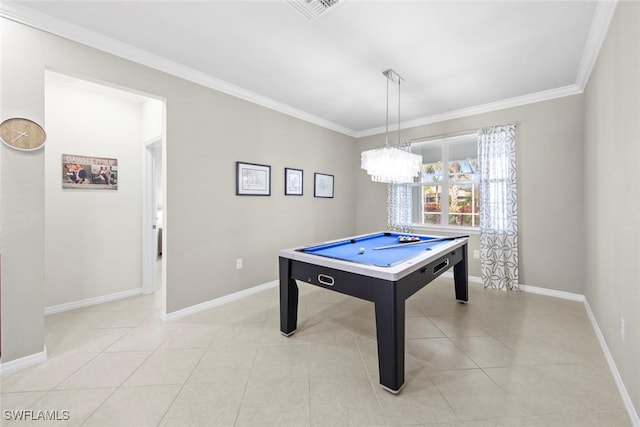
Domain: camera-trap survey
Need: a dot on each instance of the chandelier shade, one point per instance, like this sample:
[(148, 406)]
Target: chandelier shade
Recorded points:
[(391, 165)]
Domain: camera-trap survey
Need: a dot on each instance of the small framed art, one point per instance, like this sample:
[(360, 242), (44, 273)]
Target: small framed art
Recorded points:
[(293, 182), (86, 172), (253, 179), (323, 185)]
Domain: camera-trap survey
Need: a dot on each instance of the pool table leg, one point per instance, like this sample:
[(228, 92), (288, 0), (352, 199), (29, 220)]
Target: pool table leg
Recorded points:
[(390, 311), (288, 299), (460, 277)]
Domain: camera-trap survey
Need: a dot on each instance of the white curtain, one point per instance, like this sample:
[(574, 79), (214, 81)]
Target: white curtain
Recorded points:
[(498, 207), (399, 207), (399, 203)]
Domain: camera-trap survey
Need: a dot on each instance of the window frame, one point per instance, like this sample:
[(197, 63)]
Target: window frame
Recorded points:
[(444, 183)]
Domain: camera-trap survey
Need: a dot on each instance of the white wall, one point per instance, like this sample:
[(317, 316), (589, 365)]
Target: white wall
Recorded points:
[(153, 119), (152, 131), (92, 237), (22, 203)]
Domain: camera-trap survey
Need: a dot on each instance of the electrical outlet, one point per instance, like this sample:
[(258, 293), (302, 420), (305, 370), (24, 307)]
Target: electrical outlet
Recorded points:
[(239, 263), (476, 254), (623, 333)]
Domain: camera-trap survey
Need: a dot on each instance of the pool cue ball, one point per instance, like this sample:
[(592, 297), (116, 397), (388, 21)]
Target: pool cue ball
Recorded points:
[(361, 250)]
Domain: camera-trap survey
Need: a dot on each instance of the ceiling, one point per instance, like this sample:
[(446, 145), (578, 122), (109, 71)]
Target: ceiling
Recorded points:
[(454, 56)]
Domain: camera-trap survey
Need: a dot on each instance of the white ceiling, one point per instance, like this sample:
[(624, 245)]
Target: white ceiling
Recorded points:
[(454, 56)]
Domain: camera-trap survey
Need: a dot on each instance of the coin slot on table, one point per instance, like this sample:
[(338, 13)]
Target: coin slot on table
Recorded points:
[(442, 266), (326, 280)]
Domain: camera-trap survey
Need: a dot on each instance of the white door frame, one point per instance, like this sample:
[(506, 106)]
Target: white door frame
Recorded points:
[(149, 229)]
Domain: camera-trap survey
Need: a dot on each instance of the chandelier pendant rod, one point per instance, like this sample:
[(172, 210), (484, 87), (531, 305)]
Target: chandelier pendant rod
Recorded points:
[(386, 132), (399, 141)]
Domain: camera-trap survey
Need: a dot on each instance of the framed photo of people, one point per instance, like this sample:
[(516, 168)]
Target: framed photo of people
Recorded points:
[(85, 172)]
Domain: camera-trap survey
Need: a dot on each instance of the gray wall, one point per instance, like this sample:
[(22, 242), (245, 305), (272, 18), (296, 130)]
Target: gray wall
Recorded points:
[(207, 225), (22, 194), (550, 197), (612, 204)]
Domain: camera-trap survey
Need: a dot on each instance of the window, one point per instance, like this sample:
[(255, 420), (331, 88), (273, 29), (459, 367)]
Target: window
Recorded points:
[(446, 192)]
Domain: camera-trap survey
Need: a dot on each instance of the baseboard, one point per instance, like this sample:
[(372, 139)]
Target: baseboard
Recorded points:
[(91, 301), (624, 395), (473, 280), (24, 362), (217, 302), (626, 399), (552, 293)]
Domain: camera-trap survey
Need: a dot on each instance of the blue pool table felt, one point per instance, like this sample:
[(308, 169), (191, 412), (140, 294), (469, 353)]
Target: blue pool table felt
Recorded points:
[(348, 250)]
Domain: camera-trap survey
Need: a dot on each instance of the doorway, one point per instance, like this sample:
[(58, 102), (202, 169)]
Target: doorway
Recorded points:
[(153, 217), (90, 230)]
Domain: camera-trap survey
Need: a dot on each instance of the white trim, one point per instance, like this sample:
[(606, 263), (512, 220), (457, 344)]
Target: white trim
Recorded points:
[(624, 395), (149, 229), (91, 301), (597, 33), (517, 101), (433, 228), (552, 293), (218, 301), (626, 399), (90, 38), (16, 365), (473, 280)]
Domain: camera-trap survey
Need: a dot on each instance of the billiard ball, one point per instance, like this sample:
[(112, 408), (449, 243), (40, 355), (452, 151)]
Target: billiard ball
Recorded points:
[(361, 250)]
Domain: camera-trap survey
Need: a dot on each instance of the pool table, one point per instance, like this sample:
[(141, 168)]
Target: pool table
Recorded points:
[(378, 268)]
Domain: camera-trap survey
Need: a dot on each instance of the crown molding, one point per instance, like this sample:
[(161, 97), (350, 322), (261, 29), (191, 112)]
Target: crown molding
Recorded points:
[(597, 33), (517, 101), (600, 24), (114, 47)]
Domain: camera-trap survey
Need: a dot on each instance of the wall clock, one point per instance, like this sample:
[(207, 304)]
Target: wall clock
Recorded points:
[(22, 134)]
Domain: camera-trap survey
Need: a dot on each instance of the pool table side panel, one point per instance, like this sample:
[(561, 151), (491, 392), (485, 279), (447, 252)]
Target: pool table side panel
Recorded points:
[(345, 282), (412, 283)]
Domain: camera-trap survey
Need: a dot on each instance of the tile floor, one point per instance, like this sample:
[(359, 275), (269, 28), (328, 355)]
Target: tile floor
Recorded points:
[(504, 359)]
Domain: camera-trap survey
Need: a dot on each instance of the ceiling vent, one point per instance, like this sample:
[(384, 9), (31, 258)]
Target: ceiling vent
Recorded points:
[(311, 9)]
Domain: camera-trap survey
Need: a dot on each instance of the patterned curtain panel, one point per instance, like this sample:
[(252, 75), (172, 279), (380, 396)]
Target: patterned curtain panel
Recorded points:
[(499, 207), (399, 207), (399, 203)]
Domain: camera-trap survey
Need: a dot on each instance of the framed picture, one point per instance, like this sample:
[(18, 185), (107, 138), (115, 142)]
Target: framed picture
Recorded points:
[(97, 173), (293, 183), (323, 185), (253, 179)]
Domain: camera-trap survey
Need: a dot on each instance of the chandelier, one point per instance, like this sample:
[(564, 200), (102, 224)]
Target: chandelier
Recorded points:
[(388, 164)]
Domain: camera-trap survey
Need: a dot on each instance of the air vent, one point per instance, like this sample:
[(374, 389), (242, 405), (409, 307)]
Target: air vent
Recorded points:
[(311, 9)]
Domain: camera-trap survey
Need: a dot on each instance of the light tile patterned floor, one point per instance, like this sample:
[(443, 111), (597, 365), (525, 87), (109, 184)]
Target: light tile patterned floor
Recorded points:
[(504, 359)]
